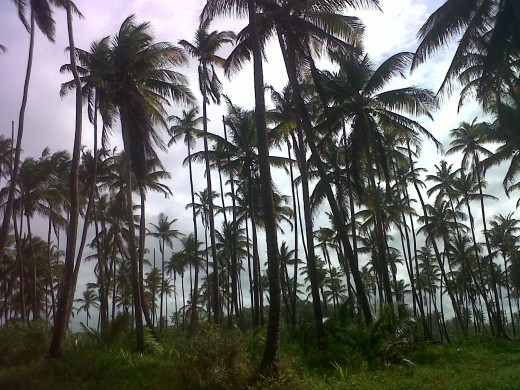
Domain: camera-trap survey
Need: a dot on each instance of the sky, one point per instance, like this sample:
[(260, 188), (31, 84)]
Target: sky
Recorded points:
[(50, 119)]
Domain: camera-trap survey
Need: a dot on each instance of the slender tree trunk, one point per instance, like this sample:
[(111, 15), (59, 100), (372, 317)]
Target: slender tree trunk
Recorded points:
[(50, 274), (69, 281), (270, 356), (161, 249), (215, 284), (302, 164), (142, 247), (296, 212), (18, 240), (195, 295), (453, 299), (339, 223), (8, 210), (134, 257)]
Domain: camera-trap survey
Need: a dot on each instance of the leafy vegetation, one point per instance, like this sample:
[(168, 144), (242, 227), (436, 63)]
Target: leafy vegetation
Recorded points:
[(392, 291), (213, 359)]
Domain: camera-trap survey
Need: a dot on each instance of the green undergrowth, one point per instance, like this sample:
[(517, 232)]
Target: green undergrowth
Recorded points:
[(215, 359)]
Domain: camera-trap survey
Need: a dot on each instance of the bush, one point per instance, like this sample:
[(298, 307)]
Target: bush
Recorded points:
[(213, 359), (21, 343)]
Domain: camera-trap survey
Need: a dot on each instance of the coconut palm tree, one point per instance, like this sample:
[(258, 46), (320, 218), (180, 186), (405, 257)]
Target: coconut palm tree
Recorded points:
[(165, 234), (88, 301), (139, 82), (503, 236), (204, 49), (496, 20), (185, 127), (35, 13)]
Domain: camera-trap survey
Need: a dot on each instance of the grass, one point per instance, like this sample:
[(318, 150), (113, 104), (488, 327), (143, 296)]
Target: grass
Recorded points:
[(229, 360)]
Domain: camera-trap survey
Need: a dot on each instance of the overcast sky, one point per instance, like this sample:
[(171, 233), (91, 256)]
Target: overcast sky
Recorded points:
[(50, 120)]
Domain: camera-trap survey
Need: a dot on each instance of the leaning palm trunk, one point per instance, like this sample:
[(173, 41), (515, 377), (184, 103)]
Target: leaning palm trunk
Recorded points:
[(66, 296), (8, 211), (306, 124), (302, 165), (494, 284), (454, 302)]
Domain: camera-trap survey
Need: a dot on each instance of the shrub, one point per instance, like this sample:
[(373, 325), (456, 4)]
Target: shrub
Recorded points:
[(21, 343)]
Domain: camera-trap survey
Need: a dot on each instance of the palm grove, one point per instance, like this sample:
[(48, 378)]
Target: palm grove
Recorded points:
[(349, 148)]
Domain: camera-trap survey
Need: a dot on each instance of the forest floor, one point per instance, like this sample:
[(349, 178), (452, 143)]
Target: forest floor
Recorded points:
[(231, 361)]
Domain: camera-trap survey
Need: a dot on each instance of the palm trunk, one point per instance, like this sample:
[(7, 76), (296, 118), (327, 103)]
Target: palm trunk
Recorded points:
[(17, 234), (142, 241), (195, 295), (306, 124), (215, 284), (162, 284), (69, 280), (302, 164), (134, 257), (8, 211), (453, 299), (296, 213), (272, 345)]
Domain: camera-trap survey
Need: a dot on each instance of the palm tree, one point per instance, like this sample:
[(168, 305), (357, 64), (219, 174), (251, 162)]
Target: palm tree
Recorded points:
[(139, 83), (185, 258), (165, 234), (89, 300), (503, 237), (153, 281), (204, 49), (468, 139), (490, 25), (40, 14), (186, 127)]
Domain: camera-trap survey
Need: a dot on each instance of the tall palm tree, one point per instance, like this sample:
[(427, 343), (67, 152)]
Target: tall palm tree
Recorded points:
[(204, 49), (186, 127), (165, 234), (72, 263), (503, 236), (139, 82), (88, 301), (36, 13)]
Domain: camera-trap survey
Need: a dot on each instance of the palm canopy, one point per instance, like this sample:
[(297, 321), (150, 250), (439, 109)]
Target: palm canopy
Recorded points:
[(185, 127), (504, 131), (311, 26), (498, 21), (468, 138), (204, 48), (359, 96), (94, 69), (138, 80), (164, 232)]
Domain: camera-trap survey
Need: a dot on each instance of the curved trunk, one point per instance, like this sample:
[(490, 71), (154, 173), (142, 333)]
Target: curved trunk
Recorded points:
[(8, 211), (71, 267), (296, 213), (290, 65), (453, 299)]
